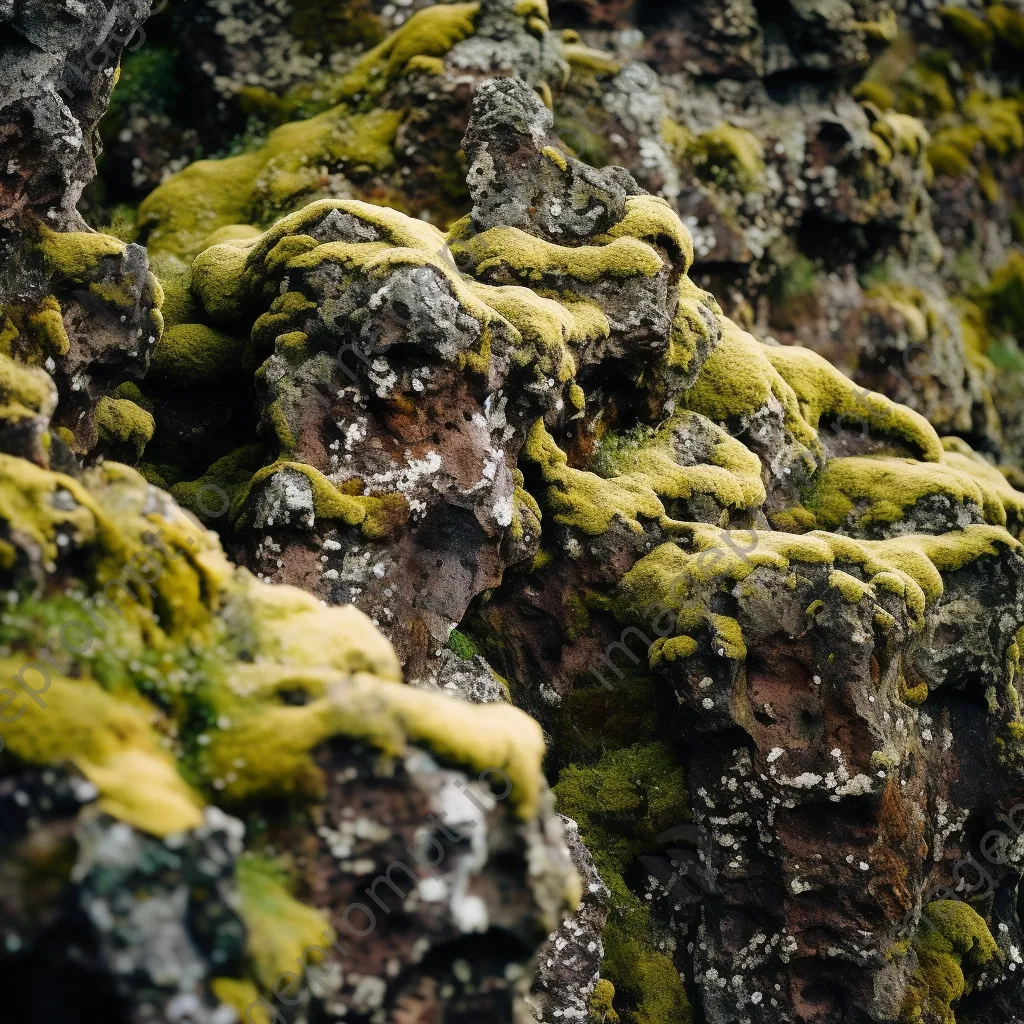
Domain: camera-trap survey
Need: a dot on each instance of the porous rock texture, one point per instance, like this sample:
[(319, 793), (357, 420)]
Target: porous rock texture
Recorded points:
[(456, 404)]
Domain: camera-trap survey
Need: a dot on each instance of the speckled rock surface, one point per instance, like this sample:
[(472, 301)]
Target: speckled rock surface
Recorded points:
[(451, 349), (81, 304)]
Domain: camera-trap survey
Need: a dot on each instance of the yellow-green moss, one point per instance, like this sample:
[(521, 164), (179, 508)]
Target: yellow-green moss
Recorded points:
[(601, 1007), (875, 92), (637, 474), (1003, 298), (279, 928), (98, 718), (47, 324), (386, 716), (184, 211), (586, 62), (191, 354), (952, 946), (822, 390), (74, 256), (644, 786), (901, 133), (1007, 23), (111, 740), (121, 422), (728, 154), (742, 376), (968, 26), (377, 516), (873, 491), (998, 120), (25, 392), (529, 258), (910, 567), (431, 32)]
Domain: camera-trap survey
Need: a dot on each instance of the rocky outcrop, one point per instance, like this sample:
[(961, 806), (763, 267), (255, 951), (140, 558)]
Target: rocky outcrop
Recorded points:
[(767, 620), (81, 304)]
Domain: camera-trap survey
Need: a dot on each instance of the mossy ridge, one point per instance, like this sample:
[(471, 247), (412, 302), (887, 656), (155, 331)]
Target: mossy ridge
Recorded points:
[(822, 390), (345, 124), (909, 567), (235, 278), (179, 215), (431, 32), (953, 946), (645, 786), (591, 502), (75, 256), (741, 376), (293, 642), (528, 258), (868, 492), (388, 716)]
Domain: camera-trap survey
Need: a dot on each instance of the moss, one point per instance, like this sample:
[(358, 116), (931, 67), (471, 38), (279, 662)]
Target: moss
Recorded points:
[(587, 62), (729, 155), (923, 88), (796, 280), (240, 994), (75, 256), (230, 474), (47, 324), (121, 422), (973, 30), (874, 92), (645, 978), (742, 376), (1003, 298), (120, 223), (650, 219), (952, 945), (822, 390), (1007, 23), (901, 134), (622, 804), (377, 516), (194, 354), (642, 470), (431, 33), (998, 121), (910, 567), (280, 928), (462, 645), (528, 258), (421, 62), (872, 491), (601, 1007), (118, 721), (387, 717), (179, 216), (327, 27), (26, 393)]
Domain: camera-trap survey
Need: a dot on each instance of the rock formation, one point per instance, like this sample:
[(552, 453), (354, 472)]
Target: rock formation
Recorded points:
[(504, 500)]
